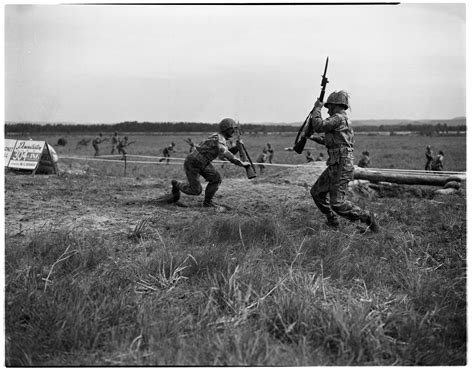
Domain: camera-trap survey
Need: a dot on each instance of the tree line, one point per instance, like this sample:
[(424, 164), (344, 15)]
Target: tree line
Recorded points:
[(134, 126), (422, 129), (186, 127)]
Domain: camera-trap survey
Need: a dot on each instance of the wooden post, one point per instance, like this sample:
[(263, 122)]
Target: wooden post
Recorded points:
[(405, 178), (125, 167)]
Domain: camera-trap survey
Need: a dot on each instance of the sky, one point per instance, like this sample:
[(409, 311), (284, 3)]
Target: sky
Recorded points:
[(197, 63)]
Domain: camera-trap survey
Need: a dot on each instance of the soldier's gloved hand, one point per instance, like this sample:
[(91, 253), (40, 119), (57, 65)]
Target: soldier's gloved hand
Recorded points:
[(246, 164), (318, 104), (239, 141)]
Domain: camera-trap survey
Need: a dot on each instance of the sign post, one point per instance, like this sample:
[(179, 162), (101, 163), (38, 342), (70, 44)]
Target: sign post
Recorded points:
[(125, 167)]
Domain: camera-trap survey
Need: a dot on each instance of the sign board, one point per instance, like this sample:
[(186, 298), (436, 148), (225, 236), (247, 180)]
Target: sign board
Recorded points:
[(9, 146), (26, 154), (30, 155)]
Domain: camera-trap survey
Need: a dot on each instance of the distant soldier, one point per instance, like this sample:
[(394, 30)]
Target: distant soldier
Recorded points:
[(82, 142), (309, 157), (199, 163), (339, 139), (262, 157), (95, 143), (122, 144), (269, 151), (167, 152), (429, 158), (364, 161), (114, 141), (438, 164)]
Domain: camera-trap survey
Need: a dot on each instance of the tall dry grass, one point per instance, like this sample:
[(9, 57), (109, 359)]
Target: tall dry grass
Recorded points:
[(276, 289)]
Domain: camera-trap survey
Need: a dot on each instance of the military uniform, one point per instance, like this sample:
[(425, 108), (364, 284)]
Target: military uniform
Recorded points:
[(95, 144), (199, 163), (429, 158), (364, 161), (114, 142), (261, 160), (438, 163), (166, 153), (339, 141), (122, 145), (270, 152)]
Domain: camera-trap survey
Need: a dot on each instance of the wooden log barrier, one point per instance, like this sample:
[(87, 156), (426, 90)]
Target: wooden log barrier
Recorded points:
[(400, 177)]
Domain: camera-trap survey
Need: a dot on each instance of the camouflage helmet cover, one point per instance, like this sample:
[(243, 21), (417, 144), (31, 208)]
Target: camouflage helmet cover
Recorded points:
[(226, 123), (338, 97)]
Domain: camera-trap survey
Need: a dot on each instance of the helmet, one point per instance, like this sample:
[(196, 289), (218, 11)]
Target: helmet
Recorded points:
[(226, 123), (338, 97)]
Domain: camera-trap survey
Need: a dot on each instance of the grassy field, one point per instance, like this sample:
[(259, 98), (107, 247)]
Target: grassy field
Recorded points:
[(399, 152), (98, 274)]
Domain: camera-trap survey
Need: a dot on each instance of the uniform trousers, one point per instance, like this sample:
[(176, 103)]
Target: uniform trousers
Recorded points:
[(196, 165), (334, 182)]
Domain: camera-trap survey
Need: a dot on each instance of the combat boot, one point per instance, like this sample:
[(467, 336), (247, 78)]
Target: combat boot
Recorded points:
[(209, 204), (175, 191), (332, 222), (371, 221)]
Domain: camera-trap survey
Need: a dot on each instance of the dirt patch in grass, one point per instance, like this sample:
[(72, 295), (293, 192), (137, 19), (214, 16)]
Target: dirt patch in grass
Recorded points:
[(114, 205)]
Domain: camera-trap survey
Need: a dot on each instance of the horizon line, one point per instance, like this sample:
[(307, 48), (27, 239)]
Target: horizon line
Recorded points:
[(208, 122)]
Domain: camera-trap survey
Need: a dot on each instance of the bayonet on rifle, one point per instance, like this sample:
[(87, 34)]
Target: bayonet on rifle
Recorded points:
[(324, 81), (300, 140)]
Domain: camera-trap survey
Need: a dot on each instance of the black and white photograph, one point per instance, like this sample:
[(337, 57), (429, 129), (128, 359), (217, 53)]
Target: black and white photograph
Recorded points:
[(243, 184)]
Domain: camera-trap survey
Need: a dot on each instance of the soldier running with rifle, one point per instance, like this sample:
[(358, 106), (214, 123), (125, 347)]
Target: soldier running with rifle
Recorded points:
[(339, 141), (122, 145), (199, 163)]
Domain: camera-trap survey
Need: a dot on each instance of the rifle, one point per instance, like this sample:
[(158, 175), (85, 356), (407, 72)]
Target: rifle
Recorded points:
[(121, 144), (244, 155), (300, 140)]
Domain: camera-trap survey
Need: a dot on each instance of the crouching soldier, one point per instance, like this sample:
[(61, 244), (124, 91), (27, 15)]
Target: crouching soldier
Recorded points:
[(199, 163), (339, 141)]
